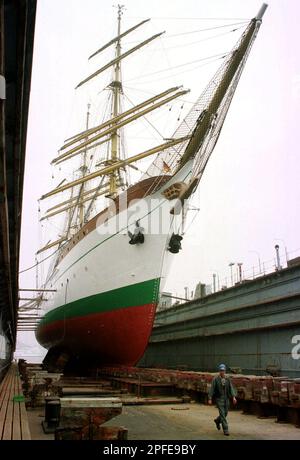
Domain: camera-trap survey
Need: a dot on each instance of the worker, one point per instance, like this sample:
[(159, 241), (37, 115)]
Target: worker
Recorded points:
[(222, 390)]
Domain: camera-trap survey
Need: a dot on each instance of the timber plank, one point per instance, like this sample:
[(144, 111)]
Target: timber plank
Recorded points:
[(3, 388), (13, 416), (8, 426), (24, 422), (16, 430), (5, 401)]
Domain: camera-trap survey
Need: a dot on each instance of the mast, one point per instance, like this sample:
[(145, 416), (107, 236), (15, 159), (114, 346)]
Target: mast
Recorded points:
[(114, 125), (198, 133), (118, 164), (210, 113), (80, 136), (111, 42), (84, 171), (116, 87)]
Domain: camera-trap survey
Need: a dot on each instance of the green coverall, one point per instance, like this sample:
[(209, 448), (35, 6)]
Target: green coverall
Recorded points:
[(222, 394)]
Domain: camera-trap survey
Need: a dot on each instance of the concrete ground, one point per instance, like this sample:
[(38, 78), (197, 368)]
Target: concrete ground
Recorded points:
[(184, 422)]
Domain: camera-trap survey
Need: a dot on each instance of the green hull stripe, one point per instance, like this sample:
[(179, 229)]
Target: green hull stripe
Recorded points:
[(128, 296)]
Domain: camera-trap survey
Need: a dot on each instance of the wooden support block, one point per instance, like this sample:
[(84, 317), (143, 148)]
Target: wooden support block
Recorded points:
[(86, 411)]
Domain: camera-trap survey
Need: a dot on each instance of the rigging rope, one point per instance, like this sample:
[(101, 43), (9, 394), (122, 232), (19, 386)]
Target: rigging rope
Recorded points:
[(40, 262), (204, 30), (197, 19), (182, 72), (204, 39), (154, 93), (180, 65), (159, 133)]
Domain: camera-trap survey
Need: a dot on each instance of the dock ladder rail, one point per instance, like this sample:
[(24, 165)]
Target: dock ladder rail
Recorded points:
[(13, 416)]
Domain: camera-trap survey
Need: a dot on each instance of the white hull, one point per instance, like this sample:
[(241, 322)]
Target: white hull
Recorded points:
[(103, 262)]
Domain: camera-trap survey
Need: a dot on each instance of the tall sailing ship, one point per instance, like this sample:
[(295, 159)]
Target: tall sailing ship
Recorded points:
[(107, 270)]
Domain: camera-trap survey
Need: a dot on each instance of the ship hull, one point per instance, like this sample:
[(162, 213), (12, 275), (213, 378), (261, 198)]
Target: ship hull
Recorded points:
[(107, 290), (116, 337), (111, 327)]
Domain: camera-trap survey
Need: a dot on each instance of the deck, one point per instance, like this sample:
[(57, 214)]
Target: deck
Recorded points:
[(13, 416)]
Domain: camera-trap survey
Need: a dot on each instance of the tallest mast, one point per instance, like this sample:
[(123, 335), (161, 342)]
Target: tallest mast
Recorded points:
[(116, 87)]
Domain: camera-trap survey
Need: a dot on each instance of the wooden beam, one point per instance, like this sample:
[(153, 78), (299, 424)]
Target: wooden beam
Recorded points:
[(70, 200), (90, 147), (116, 60), (114, 40), (84, 134), (119, 125), (48, 246), (66, 208), (117, 165)]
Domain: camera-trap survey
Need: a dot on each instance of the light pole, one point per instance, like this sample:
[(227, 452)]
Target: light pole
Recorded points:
[(215, 276), (214, 282), (279, 267), (186, 289), (239, 264), (285, 248), (259, 263), (231, 272)]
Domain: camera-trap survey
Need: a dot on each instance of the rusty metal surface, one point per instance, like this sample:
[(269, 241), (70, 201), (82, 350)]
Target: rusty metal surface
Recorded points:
[(276, 391), (251, 326), (82, 418), (91, 433)]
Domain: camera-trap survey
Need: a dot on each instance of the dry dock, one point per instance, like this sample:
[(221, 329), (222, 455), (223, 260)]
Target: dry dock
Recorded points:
[(253, 326), (151, 412), (186, 422), (151, 409)]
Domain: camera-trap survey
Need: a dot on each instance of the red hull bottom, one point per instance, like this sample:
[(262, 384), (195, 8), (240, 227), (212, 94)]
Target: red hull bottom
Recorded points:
[(118, 337)]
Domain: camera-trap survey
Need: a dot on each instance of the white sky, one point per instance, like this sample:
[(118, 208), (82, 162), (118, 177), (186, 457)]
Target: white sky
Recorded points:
[(250, 193)]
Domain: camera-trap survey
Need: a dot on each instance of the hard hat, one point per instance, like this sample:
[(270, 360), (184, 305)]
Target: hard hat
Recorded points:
[(222, 367)]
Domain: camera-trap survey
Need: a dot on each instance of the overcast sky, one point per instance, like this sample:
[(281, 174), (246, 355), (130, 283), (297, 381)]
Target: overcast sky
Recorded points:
[(249, 195)]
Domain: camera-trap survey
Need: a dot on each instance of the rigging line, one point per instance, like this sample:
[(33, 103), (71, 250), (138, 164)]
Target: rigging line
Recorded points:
[(193, 18), (181, 65), (204, 30), (184, 71), (40, 262), (93, 199), (149, 122), (201, 19), (55, 227), (72, 212), (153, 93), (114, 234), (205, 39), (202, 39), (164, 50), (192, 221), (141, 171)]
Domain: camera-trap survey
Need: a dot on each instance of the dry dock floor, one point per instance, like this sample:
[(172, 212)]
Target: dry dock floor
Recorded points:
[(183, 422)]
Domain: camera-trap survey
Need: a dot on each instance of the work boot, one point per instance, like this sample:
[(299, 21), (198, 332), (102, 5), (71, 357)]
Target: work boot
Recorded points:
[(217, 423), (226, 433)]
